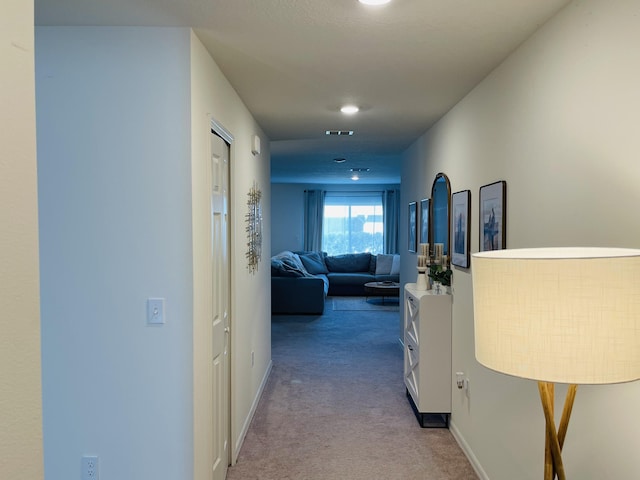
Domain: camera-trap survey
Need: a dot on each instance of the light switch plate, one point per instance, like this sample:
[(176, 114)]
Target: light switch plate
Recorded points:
[(155, 311)]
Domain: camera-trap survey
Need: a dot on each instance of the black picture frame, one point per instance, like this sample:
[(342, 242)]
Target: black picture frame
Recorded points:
[(424, 221), (413, 226), (493, 216), (461, 240)]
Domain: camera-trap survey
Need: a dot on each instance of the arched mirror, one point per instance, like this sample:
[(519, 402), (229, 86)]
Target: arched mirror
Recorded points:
[(440, 212)]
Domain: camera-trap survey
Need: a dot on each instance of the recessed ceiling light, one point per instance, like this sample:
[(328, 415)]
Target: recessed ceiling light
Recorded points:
[(374, 2), (349, 109), (355, 177), (339, 160)]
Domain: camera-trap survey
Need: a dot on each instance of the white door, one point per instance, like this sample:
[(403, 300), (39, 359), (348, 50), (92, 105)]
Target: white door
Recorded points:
[(221, 327)]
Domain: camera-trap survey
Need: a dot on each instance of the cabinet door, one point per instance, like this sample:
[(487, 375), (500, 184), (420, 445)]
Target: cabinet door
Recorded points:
[(412, 318), (435, 353), (411, 368)]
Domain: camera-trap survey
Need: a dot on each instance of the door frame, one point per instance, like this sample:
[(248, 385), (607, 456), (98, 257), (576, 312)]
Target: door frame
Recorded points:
[(227, 136)]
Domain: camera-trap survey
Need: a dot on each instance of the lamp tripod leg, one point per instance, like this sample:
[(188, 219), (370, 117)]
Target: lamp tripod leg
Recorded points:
[(554, 439), (549, 471)]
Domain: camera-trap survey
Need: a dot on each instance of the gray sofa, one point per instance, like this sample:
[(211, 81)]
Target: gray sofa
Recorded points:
[(300, 281)]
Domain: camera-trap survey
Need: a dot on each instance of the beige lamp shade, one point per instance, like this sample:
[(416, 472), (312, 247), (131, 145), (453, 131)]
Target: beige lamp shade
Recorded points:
[(564, 315)]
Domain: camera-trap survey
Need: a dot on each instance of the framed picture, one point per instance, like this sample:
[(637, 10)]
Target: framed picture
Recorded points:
[(461, 209), (424, 221), (413, 225), (493, 209)]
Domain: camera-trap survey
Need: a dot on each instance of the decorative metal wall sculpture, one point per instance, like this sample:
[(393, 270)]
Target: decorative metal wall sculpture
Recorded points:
[(254, 228)]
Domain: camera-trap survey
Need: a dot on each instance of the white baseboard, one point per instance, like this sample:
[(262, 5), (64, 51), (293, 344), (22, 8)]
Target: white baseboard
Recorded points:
[(252, 411), (467, 451)]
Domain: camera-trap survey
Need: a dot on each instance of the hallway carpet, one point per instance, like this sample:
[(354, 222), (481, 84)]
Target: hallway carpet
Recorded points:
[(335, 407)]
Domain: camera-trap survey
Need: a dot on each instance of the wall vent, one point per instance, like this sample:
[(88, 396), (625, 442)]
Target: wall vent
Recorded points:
[(340, 132)]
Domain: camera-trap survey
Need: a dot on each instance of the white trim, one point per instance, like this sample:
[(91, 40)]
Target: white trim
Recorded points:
[(220, 130), (252, 411), (467, 451)]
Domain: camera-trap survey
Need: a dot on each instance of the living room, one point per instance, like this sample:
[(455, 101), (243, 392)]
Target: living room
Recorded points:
[(556, 121)]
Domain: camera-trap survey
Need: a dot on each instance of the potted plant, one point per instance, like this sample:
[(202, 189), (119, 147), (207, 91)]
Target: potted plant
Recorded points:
[(437, 274)]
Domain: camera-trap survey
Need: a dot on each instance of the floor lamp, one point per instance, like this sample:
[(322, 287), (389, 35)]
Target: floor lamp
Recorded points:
[(558, 315)]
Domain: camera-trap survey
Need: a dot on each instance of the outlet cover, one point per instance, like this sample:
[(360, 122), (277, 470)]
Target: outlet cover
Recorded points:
[(90, 469)]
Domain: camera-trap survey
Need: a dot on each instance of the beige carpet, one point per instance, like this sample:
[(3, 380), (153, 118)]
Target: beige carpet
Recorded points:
[(365, 303), (335, 407)]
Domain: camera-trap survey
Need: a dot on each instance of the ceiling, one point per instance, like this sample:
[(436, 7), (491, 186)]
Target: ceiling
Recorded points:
[(295, 62)]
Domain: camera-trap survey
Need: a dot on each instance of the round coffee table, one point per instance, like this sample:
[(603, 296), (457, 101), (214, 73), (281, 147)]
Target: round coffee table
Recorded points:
[(382, 289)]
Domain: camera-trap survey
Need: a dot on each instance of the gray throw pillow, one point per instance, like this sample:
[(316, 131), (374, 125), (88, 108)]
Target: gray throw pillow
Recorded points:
[(313, 262)]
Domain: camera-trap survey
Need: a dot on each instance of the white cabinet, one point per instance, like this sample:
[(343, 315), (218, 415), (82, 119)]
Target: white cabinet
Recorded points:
[(427, 354)]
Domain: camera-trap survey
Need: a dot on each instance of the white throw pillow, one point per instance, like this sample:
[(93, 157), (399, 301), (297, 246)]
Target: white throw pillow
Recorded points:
[(395, 265), (384, 264)]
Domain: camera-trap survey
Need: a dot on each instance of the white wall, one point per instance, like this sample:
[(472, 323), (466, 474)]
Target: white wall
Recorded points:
[(113, 119), (123, 121), (20, 391), (558, 121), (287, 207), (287, 210), (213, 96)]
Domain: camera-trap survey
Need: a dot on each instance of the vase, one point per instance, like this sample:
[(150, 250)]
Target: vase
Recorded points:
[(437, 288)]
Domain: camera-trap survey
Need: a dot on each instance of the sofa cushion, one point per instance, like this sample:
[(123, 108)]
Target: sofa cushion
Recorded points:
[(388, 278), (353, 278), (349, 262), (383, 264), (372, 264), (313, 262)]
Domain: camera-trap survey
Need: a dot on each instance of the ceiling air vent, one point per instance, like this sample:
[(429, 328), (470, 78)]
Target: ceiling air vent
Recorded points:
[(340, 132)]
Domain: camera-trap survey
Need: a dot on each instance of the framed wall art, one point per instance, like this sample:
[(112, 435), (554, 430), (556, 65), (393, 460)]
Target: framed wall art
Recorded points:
[(413, 225), (461, 209), (493, 215), (424, 221)]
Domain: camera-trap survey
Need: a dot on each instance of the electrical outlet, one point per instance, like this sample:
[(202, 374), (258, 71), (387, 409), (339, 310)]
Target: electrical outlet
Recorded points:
[(90, 468)]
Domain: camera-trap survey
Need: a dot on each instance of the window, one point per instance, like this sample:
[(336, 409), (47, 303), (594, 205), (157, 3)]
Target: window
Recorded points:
[(352, 223)]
